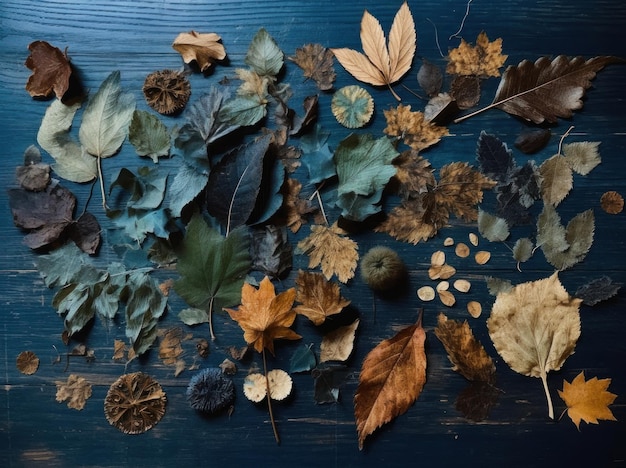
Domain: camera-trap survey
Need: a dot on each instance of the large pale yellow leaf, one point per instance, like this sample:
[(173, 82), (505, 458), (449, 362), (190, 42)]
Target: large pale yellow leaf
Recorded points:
[(402, 43), (359, 66)]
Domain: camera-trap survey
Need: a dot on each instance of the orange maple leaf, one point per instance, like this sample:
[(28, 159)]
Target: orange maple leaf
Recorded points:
[(265, 316), (587, 400)]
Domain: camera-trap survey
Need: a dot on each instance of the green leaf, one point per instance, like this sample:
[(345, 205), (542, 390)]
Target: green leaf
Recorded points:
[(138, 224), (317, 156), (192, 316), (146, 190), (364, 166), (61, 266), (243, 111), (106, 118), (264, 56), (491, 227), (523, 249), (203, 115), (149, 135), (71, 161)]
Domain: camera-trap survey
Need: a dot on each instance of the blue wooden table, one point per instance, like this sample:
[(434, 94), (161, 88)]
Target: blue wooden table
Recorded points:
[(135, 38)]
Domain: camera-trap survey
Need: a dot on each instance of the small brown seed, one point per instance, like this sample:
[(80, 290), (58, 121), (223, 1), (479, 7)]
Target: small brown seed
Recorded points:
[(612, 202), (426, 293), (447, 271), (448, 241), (474, 308), (434, 272), (443, 286), (438, 258), (462, 285), (482, 257), (473, 238), (462, 250), (447, 298)]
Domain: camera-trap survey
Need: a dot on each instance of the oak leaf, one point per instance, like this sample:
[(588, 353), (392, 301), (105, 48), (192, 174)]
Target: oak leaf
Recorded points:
[(412, 127), (392, 377), (51, 70), (204, 49), (588, 400), (338, 344), (75, 390), (318, 297), (265, 316), (482, 60), (316, 62), (383, 63), (329, 248), (534, 327)]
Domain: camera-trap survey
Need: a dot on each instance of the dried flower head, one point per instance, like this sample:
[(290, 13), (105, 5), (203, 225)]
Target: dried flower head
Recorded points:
[(352, 106), (210, 391), (134, 403), (612, 202), (27, 362), (382, 268), (167, 91)]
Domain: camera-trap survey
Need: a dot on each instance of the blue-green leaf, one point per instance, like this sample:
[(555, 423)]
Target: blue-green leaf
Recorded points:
[(264, 56)]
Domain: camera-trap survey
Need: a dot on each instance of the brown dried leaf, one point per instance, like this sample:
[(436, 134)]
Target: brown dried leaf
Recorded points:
[(412, 127), (316, 62), (76, 391), (51, 70), (482, 60), (319, 297), (295, 208), (204, 49), (328, 247), (170, 348), (465, 90), (119, 349), (557, 179), (392, 377), (406, 222), (338, 344), (612, 202), (27, 362), (414, 173)]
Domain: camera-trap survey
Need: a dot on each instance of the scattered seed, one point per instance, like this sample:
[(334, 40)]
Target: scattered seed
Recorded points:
[(462, 285), (447, 298), (426, 293), (474, 308), (462, 250), (447, 271), (438, 258), (612, 202), (473, 238), (443, 286), (482, 257), (448, 241), (434, 272)]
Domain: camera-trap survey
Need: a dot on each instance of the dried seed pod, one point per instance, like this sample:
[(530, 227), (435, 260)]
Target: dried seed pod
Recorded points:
[(462, 250), (434, 272), (255, 387), (167, 91), (382, 268), (447, 298), (27, 362), (474, 308), (448, 241), (473, 238), (612, 202), (443, 286), (438, 258), (210, 391), (462, 285), (446, 272), (482, 257), (426, 293)]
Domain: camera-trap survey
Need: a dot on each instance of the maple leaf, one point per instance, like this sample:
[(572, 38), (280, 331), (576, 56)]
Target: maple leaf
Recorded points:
[(316, 62), (327, 247), (51, 70), (382, 64), (392, 377), (204, 49), (318, 297), (76, 391), (534, 327), (412, 127), (482, 60), (265, 316), (588, 400)]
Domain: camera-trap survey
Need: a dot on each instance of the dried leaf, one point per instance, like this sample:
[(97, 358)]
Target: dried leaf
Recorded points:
[(557, 179), (328, 248), (392, 377), (265, 316), (465, 90), (329, 378), (149, 136), (316, 62), (338, 344), (318, 297), (202, 48), (303, 359), (492, 228), (430, 78), (76, 391), (534, 327), (531, 141), (597, 290), (295, 208), (462, 250), (33, 175), (51, 70), (612, 202), (271, 252), (482, 60), (264, 56), (413, 173), (462, 285), (476, 400), (523, 249), (27, 362), (446, 298), (352, 106), (412, 127), (170, 347), (317, 156), (119, 350), (582, 156), (588, 400), (482, 257), (382, 64)]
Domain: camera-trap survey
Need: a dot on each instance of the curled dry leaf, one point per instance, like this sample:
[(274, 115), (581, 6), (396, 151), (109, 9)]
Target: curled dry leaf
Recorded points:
[(338, 344), (319, 297), (134, 403), (412, 128), (482, 60), (76, 391), (27, 362), (588, 400), (204, 49), (167, 91), (51, 70), (612, 202), (119, 350)]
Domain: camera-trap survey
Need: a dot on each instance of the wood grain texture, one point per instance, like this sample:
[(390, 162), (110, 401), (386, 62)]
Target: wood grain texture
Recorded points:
[(135, 37)]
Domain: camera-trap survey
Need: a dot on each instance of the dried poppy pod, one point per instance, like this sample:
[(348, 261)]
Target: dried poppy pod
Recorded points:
[(167, 91)]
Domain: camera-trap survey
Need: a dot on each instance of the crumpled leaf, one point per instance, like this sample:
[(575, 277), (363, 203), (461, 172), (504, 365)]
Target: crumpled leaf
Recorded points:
[(338, 344), (392, 377), (264, 56), (271, 251), (412, 127), (413, 173), (318, 297), (61, 265), (51, 70), (588, 400), (265, 316), (582, 156), (597, 290), (149, 135), (482, 60), (316, 62), (170, 345), (334, 253), (294, 207), (75, 390), (534, 327), (202, 48), (492, 228), (383, 63)]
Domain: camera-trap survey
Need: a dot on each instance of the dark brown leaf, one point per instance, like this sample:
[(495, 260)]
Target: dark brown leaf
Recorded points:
[(51, 70), (476, 400), (465, 90), (531, 141), (85, 233), (316, 62), (430, 78)]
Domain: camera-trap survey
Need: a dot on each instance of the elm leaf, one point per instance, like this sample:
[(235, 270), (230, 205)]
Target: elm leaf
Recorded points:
[(149, 135), (582, 156), (264, 56), (491, 227)]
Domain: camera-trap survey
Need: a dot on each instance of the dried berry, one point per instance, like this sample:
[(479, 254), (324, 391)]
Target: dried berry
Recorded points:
[(167, 91)]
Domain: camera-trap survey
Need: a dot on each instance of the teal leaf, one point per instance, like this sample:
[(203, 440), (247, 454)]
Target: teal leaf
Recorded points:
[(270, 197), (264, 56), (203, 115), (302, 360), (185, 187), (243, 111), (146, 189), (192, 316), (61, 266), (149, 135), (317, 156)]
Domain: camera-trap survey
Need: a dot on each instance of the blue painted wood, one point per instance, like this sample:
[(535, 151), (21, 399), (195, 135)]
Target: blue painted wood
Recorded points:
[(135, 37)]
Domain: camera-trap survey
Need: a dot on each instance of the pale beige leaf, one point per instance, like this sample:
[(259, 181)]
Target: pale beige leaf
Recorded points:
[(402, 43), (76, 391), (338, 344), (373, 42), (359, 66), (557, 180), (582, 156)]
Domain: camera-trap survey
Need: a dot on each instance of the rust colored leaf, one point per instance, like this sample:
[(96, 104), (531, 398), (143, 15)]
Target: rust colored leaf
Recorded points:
[(204, 49), (392, 377), (76, 391), (482, 60), (318, 297), (316, 62), (295, 208), (412, 127), (414, 173), (588, 400), (170, 348), (265, 316), (51, 70), (119, 349)]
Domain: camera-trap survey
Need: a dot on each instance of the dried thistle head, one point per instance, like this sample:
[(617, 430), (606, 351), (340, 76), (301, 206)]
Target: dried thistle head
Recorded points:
[(167, 91)]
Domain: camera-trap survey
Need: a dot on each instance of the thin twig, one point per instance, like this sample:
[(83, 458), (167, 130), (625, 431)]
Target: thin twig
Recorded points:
[(436, 37), (269, 400), (412, 92), (563, 138), (456, 34)]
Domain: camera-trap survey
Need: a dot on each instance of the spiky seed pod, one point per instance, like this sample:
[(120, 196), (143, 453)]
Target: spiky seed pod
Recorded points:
[(167, 91), (382, 268), (210, 391)]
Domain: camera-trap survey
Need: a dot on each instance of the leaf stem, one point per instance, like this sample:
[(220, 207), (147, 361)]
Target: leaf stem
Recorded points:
[(563, 138), (269, 400), (319, 200), (544, 380), (101, 178), (398, 98), (211, 318)]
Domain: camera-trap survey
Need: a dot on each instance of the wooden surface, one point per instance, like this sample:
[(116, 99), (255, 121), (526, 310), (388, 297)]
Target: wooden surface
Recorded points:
[(135, 37)]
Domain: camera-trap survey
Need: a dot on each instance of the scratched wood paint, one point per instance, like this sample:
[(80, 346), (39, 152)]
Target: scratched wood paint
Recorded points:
[(135, 37)]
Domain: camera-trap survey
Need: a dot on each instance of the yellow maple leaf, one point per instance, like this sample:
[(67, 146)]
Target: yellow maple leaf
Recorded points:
[(483, 60), (327, 247), (587, 400), (412, 127), (382, 64), (265, 316)]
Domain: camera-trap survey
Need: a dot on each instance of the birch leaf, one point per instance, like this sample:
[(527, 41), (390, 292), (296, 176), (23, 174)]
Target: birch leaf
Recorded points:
[(534, 327), (338, 344), (557, 179), (523, 249), (582, 156), (264, 56), (491, 227), (149, 135), (106, 118)]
